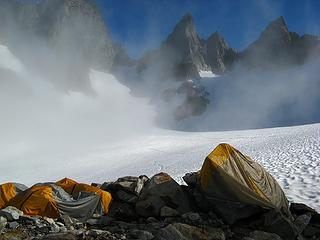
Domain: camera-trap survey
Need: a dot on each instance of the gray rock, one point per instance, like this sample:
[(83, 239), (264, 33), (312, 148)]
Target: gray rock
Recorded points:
[(192, 216), (162, 191), (275, 222), (60, 236), (191, 179), (13, 225), (126, 189), (259, 235), (179, 231), (3, 222), (168, 212), (96, 232), (141, 234), (302, 221), (312, 231), (11, 213), (15, 234)]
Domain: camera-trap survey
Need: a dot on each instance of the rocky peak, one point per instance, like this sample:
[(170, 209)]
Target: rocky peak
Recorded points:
[(277, 30), (219, 56), (184, 29), (185, 46)]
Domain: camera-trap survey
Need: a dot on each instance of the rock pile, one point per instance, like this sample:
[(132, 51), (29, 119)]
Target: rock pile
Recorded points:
[(161, 209)]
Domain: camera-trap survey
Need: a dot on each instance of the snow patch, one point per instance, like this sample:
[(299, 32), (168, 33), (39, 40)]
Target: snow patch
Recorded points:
[(207, 74)]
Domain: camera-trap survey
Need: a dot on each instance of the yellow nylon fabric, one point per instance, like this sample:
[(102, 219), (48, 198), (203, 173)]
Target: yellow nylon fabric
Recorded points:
[(230, 175), (67, 184), (7, 192), (37, 200)]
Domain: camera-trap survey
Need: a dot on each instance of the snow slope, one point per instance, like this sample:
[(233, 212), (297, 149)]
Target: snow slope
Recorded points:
[(290, 154)]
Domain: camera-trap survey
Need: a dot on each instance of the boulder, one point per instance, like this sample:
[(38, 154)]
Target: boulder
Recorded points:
[(15, 234), (162, 191), (300, 209), (302, 221), (126, 189), (13, 225), (260, 235), (11, 213), (3, 222), (123, 211), (192, 217), (180, 231), (60, 236), (168, 212), (141, 234), (191, 179), (312, 231), (275, 222)]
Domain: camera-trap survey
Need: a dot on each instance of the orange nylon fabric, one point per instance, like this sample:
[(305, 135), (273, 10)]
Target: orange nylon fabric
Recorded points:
[(37, 200), (7, 192), (74, 188)]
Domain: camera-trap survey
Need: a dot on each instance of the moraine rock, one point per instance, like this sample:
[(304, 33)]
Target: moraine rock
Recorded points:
[(179, 231), (162, 191), (259, 235), (11, 213)]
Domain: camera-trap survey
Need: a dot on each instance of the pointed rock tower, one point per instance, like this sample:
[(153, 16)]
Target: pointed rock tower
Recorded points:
[(186, 45), (219, 56), (273, 48)]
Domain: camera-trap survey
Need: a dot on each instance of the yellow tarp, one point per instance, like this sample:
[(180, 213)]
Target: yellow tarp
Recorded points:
[(37, 200), (74, 188), (7, 192), (229, 175)]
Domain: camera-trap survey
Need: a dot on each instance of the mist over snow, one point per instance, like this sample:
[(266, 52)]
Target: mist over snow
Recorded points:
[(44, 128)]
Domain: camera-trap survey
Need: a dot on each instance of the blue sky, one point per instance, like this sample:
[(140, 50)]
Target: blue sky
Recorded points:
[(142, 24)]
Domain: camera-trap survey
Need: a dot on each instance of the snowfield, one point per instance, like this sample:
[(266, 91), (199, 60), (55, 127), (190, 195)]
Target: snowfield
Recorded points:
[(48, 134), (290, 154)]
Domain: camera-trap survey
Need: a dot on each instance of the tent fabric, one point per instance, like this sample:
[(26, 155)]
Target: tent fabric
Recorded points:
[(229, 175), (51, 200), (9, 191), (74, 188), (37, 200)]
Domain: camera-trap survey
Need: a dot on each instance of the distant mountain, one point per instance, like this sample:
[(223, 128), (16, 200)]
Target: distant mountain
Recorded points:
[(183, 54), (277, 47)]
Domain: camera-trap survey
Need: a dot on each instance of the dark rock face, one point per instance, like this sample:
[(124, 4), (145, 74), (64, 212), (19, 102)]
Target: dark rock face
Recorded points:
[(277, 47), (219, 56)]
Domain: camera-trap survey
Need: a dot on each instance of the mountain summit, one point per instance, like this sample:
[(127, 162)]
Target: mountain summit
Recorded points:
[(219, 56), (186, 47)]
